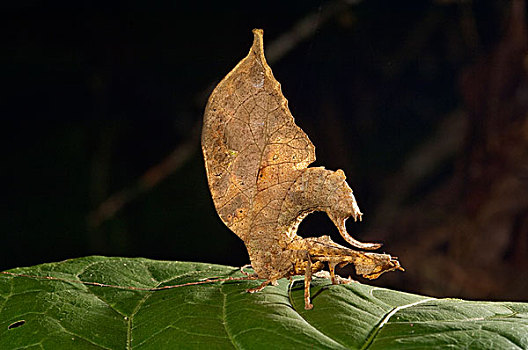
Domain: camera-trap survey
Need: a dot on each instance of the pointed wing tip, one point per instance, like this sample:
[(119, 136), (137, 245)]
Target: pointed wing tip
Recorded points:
[(258, 41), (258, 33)]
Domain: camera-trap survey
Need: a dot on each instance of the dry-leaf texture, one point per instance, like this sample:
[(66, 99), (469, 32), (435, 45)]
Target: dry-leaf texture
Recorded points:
[(257, 166)]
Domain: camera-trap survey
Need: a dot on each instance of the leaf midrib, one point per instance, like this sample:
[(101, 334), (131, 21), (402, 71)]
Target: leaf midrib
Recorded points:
[(224, 317), (377, 328)]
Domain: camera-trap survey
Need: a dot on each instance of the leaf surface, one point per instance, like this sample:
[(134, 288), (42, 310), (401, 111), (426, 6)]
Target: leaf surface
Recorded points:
[(50, 314)]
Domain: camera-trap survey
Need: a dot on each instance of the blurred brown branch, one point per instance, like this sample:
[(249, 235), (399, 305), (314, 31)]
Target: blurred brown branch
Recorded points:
[(148, 180)]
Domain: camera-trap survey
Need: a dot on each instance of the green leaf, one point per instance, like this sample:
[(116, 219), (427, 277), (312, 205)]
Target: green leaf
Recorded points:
[(66, 314)]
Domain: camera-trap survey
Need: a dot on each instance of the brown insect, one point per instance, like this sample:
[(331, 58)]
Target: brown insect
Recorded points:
[(257, 160)]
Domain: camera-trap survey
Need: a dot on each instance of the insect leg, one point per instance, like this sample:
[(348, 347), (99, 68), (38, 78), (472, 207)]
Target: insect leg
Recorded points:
[(307, 279), (259, 288), (246, 273), (331, 267)]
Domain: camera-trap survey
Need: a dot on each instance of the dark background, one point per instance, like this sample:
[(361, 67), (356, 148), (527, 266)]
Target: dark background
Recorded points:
[(423, 104)]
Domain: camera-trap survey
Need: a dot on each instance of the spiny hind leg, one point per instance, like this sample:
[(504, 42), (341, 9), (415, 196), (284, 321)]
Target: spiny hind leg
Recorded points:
[(261, 287)]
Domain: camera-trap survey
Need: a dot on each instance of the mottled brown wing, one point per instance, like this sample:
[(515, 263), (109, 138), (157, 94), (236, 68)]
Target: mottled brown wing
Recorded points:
[(250, 141)]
